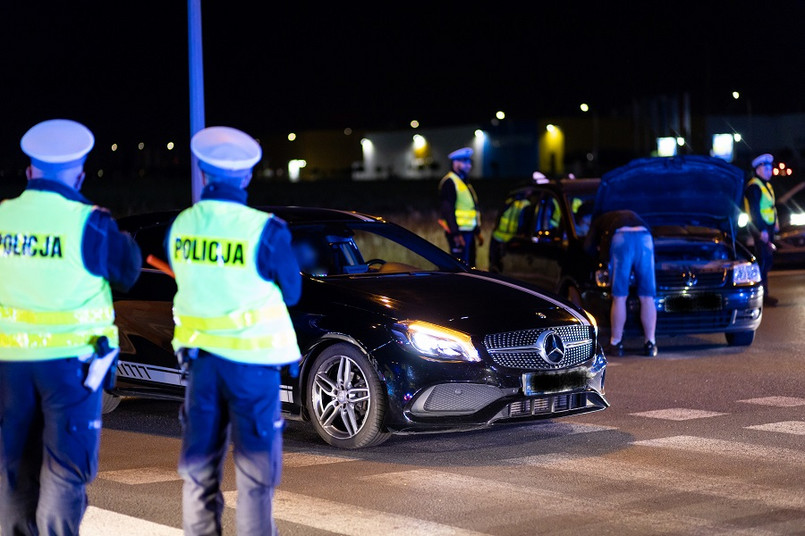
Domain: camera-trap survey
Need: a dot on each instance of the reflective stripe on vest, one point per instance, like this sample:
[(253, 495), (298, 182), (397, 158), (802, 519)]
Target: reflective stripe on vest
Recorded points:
[(222, 304), (767, 209), (510, 220), (55, 307), (466, 210)]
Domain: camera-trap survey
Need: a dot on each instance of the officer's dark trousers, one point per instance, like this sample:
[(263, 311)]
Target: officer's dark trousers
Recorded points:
[(466, 252), (50, 429), (765, 257), (224, 399)]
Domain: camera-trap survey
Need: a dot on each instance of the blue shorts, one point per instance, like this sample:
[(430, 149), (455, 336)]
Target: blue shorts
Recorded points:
[(632, 251)]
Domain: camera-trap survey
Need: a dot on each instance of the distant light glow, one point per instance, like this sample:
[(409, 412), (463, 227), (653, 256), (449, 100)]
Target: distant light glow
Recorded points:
[(584, 107), (480, 133), (293, 169), (743, 219), (666, 146), (550, 128), (414, 124), (366, 143), (419, 141), (114, 147), (737, 137), (347, 131), (170, 145), (736, 95), (291, 136), (141, 146), (797, 218), (500, 115), (723, 146), (100, 173)]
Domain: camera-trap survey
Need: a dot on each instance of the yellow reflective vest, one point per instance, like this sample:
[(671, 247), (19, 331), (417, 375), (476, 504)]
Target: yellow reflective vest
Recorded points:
[(509, 222), (468, 217), (51, 306), (767, 200), (222, 304)]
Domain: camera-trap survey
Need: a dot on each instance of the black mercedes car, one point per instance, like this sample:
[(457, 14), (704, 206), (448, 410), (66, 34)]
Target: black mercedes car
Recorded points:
[(707, 281), (396, 335)]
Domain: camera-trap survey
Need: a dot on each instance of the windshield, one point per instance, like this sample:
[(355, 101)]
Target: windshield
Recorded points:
[(366, 248)]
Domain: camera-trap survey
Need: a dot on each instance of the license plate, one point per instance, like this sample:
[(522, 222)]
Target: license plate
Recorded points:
[(688, 303), (539, 383)]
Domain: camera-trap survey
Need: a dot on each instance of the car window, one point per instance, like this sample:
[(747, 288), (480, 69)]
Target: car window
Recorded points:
[(372, 249), (548, 215)]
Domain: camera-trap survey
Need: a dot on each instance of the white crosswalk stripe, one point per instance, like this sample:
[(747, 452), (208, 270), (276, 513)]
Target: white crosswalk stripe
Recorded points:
[(350, 520), (99, 522), (720, 447), (785, 427), (677, 414), (776, 401)]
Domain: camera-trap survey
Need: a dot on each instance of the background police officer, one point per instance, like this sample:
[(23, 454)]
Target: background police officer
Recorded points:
[(236, 273), (458, 205), (759, 205), (58, 259)]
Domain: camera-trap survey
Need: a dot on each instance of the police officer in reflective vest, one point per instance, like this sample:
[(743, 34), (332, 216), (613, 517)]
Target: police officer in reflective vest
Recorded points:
[(236, 274), (510, 223), (759, 206), (59, 258), (460, 216)]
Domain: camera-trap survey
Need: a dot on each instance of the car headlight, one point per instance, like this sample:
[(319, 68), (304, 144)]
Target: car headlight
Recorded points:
[(439, 342), (797, 219), (745, 273)]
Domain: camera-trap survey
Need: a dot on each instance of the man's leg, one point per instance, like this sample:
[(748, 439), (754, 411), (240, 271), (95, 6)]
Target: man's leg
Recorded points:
[(72, 435), (253, 394), (617, 319), (20, 449), (204, 444)]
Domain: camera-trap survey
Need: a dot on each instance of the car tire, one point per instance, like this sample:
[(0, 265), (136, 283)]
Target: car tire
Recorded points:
[(740, 338), (109, 402), (345, 398)]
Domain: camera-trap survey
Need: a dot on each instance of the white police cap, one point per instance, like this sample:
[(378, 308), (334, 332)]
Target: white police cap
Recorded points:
[(763, 159), (225, 151), (57, 144), (464, 153)]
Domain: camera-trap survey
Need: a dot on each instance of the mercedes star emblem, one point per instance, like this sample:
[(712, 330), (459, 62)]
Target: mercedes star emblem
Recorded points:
[(551, 347)]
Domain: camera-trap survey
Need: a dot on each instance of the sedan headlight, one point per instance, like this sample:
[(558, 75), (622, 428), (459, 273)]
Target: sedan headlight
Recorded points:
[(745, 273), (439, 342)]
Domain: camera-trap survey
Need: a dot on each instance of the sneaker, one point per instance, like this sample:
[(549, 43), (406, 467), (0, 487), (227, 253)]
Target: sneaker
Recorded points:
[(614, 349), (650, 349)]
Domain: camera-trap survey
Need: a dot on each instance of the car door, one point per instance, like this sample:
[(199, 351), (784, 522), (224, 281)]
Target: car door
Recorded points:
[(548, 240)]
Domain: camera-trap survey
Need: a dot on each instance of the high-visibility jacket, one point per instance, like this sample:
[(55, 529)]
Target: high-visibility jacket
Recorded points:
[(468, 217), (767, 200), (51, 306), (510, 220), (222, 304)]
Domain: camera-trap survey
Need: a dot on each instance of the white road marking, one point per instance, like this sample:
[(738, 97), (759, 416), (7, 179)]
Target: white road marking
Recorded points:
[(140, 475), (99, 522), (301, 459), (469, 491), (349, 520), (777, 401), (722, 448), (673, 478), (785, 427), (677, 414)]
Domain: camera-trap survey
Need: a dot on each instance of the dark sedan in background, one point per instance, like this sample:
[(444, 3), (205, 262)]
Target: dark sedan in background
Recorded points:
[(707, 281), (396, 336)]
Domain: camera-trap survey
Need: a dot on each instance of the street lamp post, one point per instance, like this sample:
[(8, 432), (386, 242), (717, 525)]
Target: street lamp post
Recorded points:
[(196, 69)]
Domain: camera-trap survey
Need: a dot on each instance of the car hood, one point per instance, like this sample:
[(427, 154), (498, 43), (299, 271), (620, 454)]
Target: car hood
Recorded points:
[(471, 302), (685, 190)]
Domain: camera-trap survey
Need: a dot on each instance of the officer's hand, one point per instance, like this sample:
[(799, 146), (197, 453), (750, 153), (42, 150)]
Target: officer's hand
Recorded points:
[(460, 240), (480, 239), (293, 369)]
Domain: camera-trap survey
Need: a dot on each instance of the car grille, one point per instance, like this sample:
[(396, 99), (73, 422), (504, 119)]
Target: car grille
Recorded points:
[(516, 349), (547, 405), (690, 279), (693, 322)]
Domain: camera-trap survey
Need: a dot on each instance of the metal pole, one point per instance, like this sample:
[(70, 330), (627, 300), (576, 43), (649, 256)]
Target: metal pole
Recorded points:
[(196, 87)]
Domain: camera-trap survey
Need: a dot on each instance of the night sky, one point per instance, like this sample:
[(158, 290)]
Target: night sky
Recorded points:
[(121, 67)]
